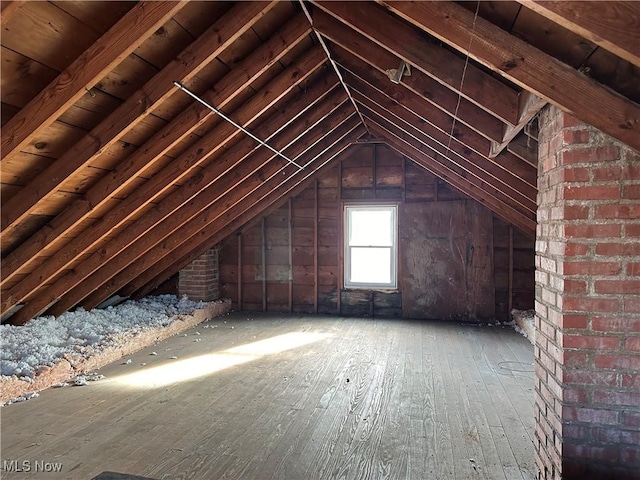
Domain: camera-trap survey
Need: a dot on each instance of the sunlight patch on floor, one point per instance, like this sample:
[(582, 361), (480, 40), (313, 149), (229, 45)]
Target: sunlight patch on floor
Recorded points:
[(202, 365)]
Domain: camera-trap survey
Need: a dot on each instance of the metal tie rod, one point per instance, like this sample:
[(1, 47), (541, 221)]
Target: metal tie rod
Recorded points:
[(235, 124)]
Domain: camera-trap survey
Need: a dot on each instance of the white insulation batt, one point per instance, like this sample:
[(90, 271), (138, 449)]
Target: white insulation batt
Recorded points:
[(75, 342)]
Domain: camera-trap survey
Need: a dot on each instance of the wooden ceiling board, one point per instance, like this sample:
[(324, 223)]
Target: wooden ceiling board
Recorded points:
[(100, 17), (552, 39), (196, 56), (22, 78), (41, 31)]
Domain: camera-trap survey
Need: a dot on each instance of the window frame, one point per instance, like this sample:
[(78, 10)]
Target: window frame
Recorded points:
[(347, 284)]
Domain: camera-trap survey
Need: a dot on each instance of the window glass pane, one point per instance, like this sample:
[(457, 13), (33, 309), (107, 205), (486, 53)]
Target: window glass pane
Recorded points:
[(370, 265), (370, 227)]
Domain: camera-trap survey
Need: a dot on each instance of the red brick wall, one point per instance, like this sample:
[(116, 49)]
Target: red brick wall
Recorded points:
[(587, 406), (199, 279)]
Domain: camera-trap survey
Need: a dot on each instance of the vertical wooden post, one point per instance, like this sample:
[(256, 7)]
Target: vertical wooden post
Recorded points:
[(404, 179), (240, 271), (316, 220), (371, 304), (373, 175), (340, 242), (264, 266), (510, 303), (290, 228)]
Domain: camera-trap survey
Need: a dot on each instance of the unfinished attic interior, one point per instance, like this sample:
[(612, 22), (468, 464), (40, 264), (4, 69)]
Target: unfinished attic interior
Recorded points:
[(374, 188)]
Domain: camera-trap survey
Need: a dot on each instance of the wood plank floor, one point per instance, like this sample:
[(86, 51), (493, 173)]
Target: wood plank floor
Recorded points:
[(264, 396)]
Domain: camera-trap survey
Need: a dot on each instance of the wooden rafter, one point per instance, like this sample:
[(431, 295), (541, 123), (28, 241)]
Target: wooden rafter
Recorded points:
[(490, 171), (44, 241), (528, 107), (243, 214), (376, 60), (109, 50), (527, 66), (403, 41), (200, 152), (613, 25), (371, 82), (268, 178), (405, 146), (493, 179), (218, 37)]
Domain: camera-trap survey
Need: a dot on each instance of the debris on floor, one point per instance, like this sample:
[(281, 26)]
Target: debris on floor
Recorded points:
[(524, 323)]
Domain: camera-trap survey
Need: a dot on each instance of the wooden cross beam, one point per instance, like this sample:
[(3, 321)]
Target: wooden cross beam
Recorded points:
[(525, 65)]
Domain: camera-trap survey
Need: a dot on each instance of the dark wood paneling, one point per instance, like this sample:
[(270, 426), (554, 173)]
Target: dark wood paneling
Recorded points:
[(447, 261), (442, 231)]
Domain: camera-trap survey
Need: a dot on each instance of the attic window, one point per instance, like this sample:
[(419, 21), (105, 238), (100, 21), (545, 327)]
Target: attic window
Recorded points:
[(370, 246)]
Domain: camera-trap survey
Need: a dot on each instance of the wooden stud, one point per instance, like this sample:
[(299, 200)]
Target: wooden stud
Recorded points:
[(107, 52), (147, 281), (240, 306), (468, 186), (156, 226), (153, 264), (339, 253), (159, 272), (316, 220), (522, 63), (219, 36), (404, 179), (374, 173), (510, 303), (263, 259), (376, 87), (290, 241), (495, 179)]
